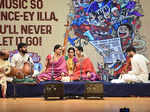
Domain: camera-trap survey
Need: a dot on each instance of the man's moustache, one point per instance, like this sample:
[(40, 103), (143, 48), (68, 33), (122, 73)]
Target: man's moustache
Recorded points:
[(130, 56), (24, 51)]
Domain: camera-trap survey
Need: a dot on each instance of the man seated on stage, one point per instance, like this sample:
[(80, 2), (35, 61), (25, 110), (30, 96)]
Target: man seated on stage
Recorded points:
[(139, 72), (22, 62), (5, 69), (84, 69), (55, 66)]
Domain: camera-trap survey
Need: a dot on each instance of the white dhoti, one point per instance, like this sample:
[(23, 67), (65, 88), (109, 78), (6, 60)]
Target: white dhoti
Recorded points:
[(117, 81), (139, 72), (127, 78)]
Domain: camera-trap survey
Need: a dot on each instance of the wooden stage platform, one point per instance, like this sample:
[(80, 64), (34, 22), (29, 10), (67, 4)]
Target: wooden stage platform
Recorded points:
[(136, 104), (77, 89)]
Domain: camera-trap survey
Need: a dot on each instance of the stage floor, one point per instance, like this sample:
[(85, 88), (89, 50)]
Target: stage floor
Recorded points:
[(136, 104)]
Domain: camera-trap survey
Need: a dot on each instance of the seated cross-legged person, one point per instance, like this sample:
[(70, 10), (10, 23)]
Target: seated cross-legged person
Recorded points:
[(71, 60), (139, 69), (84, 68), (55, 66), (22, 63)]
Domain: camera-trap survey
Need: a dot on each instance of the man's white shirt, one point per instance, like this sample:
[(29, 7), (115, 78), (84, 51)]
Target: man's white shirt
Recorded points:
[(18, 60), (139, 67), (139, 72)]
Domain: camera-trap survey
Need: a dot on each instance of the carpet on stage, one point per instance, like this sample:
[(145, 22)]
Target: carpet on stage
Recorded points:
[(77, 89)]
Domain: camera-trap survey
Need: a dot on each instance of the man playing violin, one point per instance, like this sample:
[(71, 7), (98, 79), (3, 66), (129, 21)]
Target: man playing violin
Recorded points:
[(139, 69)]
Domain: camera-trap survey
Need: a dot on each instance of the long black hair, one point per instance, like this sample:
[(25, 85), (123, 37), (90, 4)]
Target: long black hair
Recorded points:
[(57, 46), (80, 48), (71, 48)]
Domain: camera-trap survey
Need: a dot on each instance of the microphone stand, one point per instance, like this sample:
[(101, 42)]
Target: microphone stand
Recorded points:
[(81, 71), (30, 66), (52, 74), (14, 87), (81, 78)]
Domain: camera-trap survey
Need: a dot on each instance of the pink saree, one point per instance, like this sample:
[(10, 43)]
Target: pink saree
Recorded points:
[(54, 69)]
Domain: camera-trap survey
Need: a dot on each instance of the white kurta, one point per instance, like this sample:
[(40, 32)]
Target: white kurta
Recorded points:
[(139, 72), (18, 60)]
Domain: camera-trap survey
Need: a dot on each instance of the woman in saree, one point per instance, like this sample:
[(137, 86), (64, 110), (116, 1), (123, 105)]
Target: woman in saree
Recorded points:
[(84, 69), (71, 61), (55, 66)]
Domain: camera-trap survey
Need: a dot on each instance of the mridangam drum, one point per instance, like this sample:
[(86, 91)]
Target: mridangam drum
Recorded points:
[(14, 72), (27, 69), (19, 73)]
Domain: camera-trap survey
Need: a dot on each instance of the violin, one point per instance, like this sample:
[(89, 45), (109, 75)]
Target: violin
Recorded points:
[(124, 68), (127, 66)]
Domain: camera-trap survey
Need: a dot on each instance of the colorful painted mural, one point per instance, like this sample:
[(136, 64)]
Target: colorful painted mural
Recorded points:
[(109, 25)]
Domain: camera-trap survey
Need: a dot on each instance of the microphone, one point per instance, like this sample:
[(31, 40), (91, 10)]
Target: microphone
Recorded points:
[(81, 78), (28, 59), (52, 75)]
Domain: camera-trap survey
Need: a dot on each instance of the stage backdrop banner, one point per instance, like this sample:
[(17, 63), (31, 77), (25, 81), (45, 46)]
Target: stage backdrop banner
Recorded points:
[(39, 23)]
